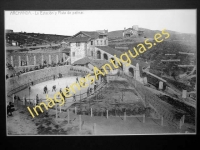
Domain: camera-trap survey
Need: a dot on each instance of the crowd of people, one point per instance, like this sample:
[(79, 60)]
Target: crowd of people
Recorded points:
[(25, 70)]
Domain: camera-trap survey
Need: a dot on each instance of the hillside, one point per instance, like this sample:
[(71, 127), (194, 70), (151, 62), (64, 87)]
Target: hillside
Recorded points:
[(178, 42), (33, 39), (118, 34)]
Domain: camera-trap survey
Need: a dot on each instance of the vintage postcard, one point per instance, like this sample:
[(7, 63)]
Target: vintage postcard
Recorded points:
[(100, 72)]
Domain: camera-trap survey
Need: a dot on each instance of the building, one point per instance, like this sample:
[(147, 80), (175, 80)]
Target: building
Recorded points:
[(83, 44), (132, 32), (86, 46)]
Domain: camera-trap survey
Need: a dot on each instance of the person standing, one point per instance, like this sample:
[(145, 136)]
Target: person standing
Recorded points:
[(25, 100), (54, 77), (90, 90), (18, 98), (46, 89), (37, 99), (15, 97), (95, 86), (54, 88), (76, 79), (10, 109)]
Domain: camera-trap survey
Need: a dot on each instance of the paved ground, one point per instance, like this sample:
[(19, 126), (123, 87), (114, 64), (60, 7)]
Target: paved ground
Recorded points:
[(60, 83)]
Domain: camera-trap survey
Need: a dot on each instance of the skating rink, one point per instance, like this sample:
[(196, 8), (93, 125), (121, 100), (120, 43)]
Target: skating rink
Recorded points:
[(60, 83)]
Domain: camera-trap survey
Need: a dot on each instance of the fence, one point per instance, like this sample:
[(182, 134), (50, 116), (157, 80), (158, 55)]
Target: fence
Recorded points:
[(151, 99), (146, 94)]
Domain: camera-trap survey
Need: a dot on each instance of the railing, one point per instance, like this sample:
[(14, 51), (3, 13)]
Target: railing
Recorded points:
[(152, 100)]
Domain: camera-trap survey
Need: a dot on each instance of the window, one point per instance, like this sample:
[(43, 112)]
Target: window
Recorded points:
[(101, 42), (91, 53), (73, 54), (105, 42), (97, 42), (91, 42), (78, 44)]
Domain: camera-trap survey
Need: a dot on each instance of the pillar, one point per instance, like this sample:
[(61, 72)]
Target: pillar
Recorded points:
[(145, 81), (102, 56), (42, 61), (137, 72), (160, 85), (63, 56), (12, 61), (13, 96), (34, 60), (107, 113), (99, 79), (49, 59), (27, 60), (56, 58), (91, 112), (19, 60), (184, 93)]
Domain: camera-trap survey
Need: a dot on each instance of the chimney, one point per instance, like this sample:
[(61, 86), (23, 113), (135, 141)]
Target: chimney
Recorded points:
[(124, 28)]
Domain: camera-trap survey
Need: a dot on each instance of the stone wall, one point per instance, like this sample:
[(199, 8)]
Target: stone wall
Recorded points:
[(15, 82), (31, 57), (12, 84)]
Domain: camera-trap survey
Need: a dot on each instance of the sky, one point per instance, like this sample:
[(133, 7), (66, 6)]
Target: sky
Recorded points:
[(65, 22)]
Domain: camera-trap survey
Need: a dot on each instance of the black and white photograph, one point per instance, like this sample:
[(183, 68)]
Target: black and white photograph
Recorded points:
[(100, 72)]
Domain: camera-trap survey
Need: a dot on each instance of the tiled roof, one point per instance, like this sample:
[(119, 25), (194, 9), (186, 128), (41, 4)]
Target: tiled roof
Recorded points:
[(92, 34), (66, 50), (82, 61), (99, 63), (79, 39), (95, 62), (89, 34)]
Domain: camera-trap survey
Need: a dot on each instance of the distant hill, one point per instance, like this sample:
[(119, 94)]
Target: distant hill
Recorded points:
[(33, 39), (118, 34)]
